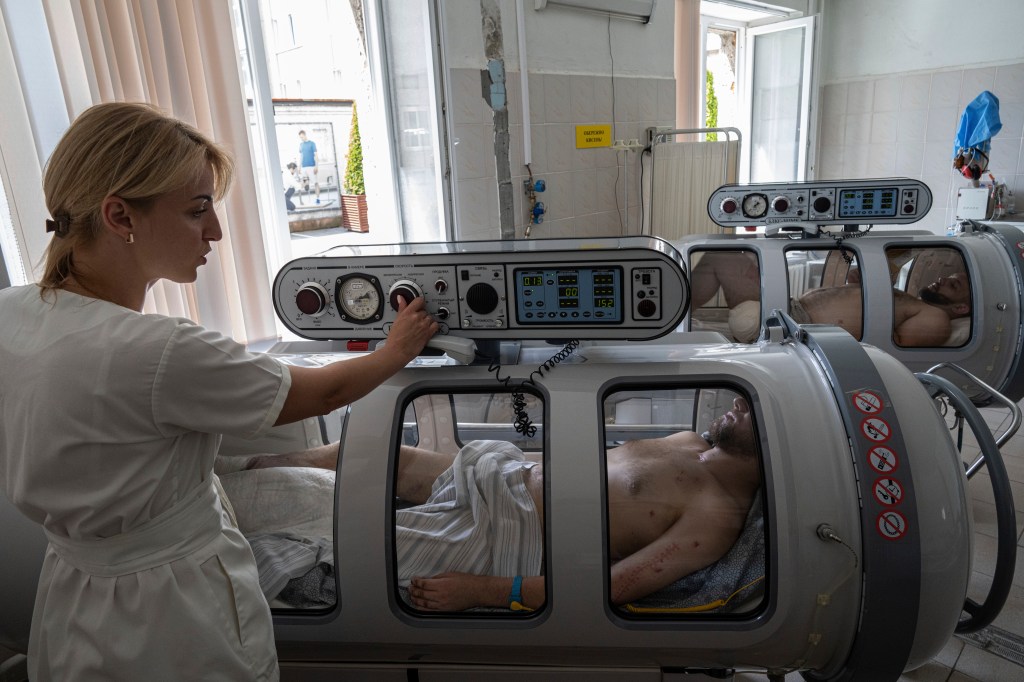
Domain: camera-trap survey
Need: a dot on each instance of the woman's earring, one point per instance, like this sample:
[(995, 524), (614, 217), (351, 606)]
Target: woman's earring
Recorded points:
[(131, 238)]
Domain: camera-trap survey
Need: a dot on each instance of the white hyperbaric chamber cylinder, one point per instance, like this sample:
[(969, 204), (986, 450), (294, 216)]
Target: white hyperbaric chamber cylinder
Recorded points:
[(865, 525), (922, 298)]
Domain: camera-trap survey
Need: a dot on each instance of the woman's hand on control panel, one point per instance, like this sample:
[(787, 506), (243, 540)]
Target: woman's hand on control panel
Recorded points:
[(411, 329)]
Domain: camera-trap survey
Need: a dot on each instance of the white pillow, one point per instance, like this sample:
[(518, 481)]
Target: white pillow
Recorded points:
[(296, 499), (745, 321), (960, 332)]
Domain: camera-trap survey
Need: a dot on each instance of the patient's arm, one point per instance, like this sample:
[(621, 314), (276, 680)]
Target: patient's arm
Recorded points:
[(923, 325), (459, 591), (700, 537)]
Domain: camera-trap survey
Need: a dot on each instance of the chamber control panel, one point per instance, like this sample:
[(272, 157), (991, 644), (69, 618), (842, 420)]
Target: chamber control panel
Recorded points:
[(890, 201), (629, 288)]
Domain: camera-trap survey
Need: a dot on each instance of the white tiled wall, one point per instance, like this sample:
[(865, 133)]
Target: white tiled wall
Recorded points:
[(906, 125), (585, 193)]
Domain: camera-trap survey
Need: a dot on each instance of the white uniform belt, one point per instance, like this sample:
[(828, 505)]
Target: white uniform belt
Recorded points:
[(184, 528)]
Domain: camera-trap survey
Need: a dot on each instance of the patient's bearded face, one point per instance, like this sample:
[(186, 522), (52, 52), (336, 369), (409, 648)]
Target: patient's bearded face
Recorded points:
[(734, 431), (947, 290)]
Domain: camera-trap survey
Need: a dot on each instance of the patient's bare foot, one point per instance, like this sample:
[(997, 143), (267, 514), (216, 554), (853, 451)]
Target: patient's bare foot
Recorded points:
[(323, 457)]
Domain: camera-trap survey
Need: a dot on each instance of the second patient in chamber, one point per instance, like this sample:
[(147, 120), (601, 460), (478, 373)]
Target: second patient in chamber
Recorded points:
[(475, 519), (918, 321)]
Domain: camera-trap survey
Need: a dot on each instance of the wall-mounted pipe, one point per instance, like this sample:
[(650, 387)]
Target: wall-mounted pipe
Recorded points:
[(524, 81)]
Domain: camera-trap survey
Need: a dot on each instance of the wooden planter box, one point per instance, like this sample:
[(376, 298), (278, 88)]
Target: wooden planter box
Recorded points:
[(353, 212)]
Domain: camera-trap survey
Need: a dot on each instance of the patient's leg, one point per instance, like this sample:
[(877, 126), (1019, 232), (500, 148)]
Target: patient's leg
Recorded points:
[(417, 471), (322, 457)]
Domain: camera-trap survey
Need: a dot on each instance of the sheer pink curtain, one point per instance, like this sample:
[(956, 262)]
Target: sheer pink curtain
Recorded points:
[(688, 64), (181, 56)]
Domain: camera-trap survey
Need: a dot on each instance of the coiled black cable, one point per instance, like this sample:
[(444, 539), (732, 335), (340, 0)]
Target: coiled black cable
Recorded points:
[(550, 363), (523, 424), (838, 239)]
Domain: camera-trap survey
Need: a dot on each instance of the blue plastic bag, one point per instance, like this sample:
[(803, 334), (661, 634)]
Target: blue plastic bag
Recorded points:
[(978, 125)]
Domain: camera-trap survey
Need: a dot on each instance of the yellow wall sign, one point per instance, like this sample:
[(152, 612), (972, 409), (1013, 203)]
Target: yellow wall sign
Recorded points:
[(593, 136)]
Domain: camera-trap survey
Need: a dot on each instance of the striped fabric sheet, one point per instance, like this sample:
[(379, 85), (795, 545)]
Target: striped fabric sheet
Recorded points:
[(479, 519)]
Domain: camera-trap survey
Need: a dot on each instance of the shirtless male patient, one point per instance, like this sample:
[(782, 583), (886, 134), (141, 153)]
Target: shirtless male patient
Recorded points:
[(675, 505), (923, 320)]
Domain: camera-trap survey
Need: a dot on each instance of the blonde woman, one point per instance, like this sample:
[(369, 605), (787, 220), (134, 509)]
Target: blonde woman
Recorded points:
[(111, 418)]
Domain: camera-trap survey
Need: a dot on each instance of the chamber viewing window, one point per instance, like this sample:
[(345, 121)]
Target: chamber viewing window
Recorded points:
[(825, 288), (932, 304), (283, 502), (684, 496), (725, 293), (469, 501)]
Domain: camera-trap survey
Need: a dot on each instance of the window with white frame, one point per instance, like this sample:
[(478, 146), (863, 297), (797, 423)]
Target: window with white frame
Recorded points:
[(311, 70), (759, 58)]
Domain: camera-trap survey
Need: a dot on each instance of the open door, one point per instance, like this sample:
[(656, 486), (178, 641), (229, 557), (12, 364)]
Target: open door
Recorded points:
[(778, 61)]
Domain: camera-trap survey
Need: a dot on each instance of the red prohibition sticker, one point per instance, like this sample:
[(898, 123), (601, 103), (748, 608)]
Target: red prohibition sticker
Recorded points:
[(891, 525), (883, 459), (875, 429), (868, 402), (888, 491)]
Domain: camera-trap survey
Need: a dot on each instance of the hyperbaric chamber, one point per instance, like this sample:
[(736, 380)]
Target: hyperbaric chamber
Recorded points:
[(922, 298), (852, 563), (850, 560)]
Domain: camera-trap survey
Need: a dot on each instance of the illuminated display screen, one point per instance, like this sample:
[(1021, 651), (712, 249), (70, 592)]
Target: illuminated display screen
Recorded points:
[(578, 295), (868, 203)]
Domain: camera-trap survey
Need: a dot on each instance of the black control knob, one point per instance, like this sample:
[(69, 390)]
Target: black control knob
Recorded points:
[(482, 298), (404, 288), (440, 286), (442, 313), (821, 205), (312, 299)]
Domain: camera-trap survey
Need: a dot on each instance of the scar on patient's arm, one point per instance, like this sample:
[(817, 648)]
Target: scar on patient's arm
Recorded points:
[(624, 585)]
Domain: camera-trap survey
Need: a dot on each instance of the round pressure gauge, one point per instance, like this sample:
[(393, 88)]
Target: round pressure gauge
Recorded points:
[(359, 298), (755, 205)]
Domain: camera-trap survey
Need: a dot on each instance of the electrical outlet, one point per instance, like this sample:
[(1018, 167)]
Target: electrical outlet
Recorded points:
[(627, 145), (655, 130)]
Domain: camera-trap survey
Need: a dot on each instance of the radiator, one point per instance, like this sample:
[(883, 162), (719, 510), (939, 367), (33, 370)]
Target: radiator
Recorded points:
[(683, 176)]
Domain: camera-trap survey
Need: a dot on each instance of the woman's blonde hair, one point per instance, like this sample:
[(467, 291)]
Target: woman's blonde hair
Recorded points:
[(131, 150)]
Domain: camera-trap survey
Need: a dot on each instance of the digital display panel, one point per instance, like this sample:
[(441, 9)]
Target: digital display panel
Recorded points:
[(880, 202), (576, 295)]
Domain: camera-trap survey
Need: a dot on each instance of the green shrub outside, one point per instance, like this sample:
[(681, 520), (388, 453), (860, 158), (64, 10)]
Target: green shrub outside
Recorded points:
[(354, 183), (711, 116)]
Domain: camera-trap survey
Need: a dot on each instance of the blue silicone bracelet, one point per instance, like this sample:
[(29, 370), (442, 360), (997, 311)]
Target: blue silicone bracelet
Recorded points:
[(517, 592)]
